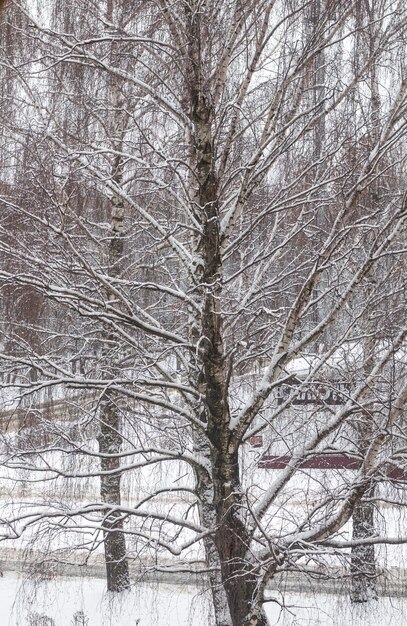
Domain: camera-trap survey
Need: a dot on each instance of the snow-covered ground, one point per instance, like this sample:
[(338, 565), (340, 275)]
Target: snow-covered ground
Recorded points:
[(336, 610), (171, 605), (61, 599)]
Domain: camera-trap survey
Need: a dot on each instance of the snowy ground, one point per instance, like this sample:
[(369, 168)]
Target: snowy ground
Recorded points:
[(170, 605), (336, 610)]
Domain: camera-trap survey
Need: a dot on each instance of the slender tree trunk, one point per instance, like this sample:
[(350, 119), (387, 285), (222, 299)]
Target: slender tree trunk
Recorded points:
[(208, 518), (363, 565), (110, 438), (117, 570)]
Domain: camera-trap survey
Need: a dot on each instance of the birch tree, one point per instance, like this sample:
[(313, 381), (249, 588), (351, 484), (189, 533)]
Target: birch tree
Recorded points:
[(196, 250), (363, 564)]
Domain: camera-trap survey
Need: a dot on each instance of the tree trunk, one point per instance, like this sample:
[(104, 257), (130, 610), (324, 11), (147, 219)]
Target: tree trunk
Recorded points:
[(233, 585), (207, 515), (117, 569), (232, 540), (110, 438), (363, 566)]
